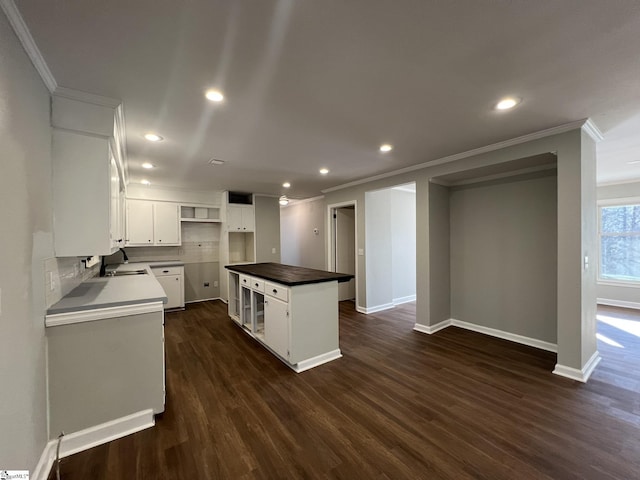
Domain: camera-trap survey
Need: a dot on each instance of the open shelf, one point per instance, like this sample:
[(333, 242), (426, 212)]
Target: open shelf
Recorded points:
[(199, 213)]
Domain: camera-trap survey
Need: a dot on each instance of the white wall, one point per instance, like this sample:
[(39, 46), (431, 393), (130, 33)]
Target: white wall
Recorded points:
[(300, 245), (26, 242), (608, 293), (378, 250), (403, 244)]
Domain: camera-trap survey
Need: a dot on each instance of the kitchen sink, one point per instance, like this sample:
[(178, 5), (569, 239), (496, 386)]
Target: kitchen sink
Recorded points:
[(120, 273)]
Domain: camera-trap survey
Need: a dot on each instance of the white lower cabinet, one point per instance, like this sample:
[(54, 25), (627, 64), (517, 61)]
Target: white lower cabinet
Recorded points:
[(276, 326), (298, 323), (172, 281)]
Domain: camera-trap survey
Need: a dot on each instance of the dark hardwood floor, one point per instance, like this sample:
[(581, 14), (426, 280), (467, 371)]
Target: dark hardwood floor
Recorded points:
[(399, 405)]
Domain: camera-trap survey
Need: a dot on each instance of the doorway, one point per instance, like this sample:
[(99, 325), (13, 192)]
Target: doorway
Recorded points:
[(342, 247)]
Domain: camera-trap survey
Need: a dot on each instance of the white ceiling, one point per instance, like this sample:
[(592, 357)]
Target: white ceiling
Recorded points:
[(312, 83)]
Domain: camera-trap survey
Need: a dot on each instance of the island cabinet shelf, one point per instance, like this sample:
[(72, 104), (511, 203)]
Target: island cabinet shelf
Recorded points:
[(292, 311)]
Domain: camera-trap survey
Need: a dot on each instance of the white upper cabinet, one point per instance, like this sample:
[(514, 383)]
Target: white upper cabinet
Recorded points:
[(240, 218), (152, 223), (87, 181)]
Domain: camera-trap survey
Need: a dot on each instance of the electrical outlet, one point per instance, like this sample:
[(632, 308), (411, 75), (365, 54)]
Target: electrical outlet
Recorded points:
[(215, 283), (206, 284), (273, 250), (52, 281)]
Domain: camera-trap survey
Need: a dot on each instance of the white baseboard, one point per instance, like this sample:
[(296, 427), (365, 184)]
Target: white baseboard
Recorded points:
[(401, 300), (315, 361), (576, 374), (91, 437), (618, 303), (204, 300), (532, 342), (377, 308), (430, 329)]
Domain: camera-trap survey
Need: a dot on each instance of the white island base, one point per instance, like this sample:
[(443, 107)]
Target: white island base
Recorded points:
[(299, 324)]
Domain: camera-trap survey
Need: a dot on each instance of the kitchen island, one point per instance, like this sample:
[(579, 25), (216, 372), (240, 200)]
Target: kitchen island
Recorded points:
[(293, 311)]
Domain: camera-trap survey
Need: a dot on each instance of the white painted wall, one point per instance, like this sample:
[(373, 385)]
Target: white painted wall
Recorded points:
[(26, 240), (300, 245), (403, 245), (610, 294), (379, 244)]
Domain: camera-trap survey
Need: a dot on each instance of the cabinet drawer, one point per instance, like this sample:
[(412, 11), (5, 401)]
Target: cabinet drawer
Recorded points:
[(257, 284), (276, 290), (162, 271), (245, 281)]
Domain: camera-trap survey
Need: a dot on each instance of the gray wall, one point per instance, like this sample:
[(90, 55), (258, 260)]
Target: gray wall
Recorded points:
[(299, 244), (267, 229), (503, 255), (378, 258), (576, 208), (403, 244), (439, 254), (614, 294), (26, 239)]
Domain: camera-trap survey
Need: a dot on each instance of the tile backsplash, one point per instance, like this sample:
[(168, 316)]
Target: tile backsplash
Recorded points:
[(61, 275)]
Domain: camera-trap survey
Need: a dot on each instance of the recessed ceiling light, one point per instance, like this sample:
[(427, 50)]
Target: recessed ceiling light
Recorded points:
[(507, 103), (153, 137), (324, 171), (283, 200), (145, 182), (147, 165), (385, 147), (214, 95), (635, 162), (286, 184)]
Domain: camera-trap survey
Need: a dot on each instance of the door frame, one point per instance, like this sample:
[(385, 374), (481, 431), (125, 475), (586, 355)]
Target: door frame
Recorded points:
[(331, 248)]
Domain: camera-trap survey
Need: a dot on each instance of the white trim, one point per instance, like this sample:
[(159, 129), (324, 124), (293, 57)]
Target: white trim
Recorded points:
[(513, 337), (91, 437), (361, 309), (315, 361), (204, 300), (613, 283), (470, 153), (618, 303), (579, 375), (407, 299), (591, 129), (618, 182), (82, 316), (431, 329), (87, 97), (618, 201), (28, 43), (293, 201), (377, 308)]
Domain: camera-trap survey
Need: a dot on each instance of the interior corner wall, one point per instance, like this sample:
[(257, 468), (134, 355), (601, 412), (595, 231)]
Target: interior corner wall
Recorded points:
[(26, 239), (403, 245), (439, 255), (267, 214), (299, 243), (611, 294), (503, 255)]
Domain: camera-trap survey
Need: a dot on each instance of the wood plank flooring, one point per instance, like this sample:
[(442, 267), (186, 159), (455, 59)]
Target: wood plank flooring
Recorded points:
[(399, 405)]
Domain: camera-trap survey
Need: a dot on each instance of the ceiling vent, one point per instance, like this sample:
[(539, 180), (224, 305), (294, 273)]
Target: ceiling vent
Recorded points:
[(215, 161)]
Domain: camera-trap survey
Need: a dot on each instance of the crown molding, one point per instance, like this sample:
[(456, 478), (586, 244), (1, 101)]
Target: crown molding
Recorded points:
[(591, 129), (87, 97), (294, 202), (470, 153), (28, 43)]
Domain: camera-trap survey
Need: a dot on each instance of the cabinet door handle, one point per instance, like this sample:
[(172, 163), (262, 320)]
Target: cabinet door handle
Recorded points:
[(165, 271), (275, 291), (257, 285)]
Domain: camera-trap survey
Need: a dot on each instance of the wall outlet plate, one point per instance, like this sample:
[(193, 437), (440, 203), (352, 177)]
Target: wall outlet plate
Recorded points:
[(91, 261)]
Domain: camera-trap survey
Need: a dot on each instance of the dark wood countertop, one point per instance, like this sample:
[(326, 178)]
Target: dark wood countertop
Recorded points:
[(288, 274)]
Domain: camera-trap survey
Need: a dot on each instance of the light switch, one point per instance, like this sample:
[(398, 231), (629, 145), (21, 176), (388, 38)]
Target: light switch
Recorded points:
[(586, 262), (361, 251)]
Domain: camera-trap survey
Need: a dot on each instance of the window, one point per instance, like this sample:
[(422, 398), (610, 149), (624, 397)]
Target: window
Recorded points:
[(620, 243)]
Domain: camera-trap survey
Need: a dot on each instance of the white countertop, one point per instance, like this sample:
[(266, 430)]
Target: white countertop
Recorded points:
[(107, 292)]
